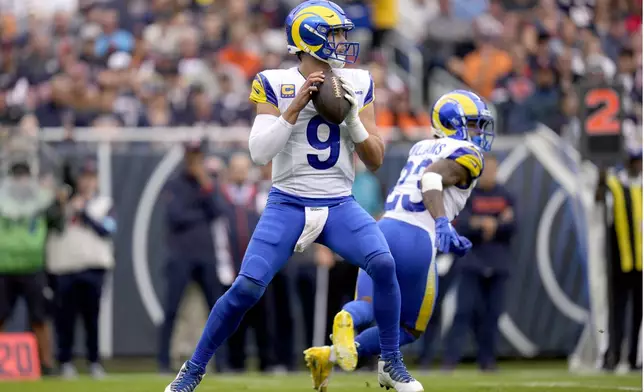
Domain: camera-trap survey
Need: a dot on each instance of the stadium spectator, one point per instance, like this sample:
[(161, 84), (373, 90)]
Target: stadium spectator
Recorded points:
[(23, 202), (237, 51), (201, 110), (412, 122), (191, 210), (386, 86), (481, 68), (79, 255), (384, 18), (543, 105), (112, 38), (158, 111), (488, 220), (446, 36), (512, 95), (232, 107)]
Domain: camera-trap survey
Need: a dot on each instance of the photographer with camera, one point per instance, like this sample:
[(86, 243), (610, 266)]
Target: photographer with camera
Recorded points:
[(79, 255)]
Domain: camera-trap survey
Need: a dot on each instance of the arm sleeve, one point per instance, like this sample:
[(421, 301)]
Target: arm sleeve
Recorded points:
[(470, 158), (268, 136)]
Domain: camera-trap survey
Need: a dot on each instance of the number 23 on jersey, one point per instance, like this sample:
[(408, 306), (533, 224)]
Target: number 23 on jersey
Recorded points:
[(405, 199)]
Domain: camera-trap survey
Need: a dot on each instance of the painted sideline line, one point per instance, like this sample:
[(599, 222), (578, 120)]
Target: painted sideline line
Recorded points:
[(560, 385)]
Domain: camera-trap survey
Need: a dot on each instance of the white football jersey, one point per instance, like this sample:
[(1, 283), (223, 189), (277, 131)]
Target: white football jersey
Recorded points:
[(317, 160), (405, 202)]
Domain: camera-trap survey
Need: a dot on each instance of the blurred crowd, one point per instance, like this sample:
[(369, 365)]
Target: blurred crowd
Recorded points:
[(529, 57), (189, 62)]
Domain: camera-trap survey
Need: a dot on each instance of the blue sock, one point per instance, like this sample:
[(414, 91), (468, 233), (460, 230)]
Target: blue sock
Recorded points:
[(225, 317), (386, 302), (361, 312), (369, 341)]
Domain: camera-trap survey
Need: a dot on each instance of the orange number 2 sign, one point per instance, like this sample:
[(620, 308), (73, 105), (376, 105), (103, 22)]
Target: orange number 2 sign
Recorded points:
[(604, 120)]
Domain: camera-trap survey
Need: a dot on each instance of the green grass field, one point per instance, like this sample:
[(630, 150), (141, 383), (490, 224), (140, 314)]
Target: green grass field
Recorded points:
[(525, 380)]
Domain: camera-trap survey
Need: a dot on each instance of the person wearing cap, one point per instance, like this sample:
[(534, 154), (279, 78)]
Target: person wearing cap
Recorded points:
[(621, 191), (192, 208), (79, 256), (23, 202)]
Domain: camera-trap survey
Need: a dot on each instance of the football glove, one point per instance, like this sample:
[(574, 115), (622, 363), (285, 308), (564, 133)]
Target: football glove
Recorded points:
[(448, 240)]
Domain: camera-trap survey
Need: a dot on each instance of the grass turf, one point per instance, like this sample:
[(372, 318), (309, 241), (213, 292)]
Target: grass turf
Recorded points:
[(524, 380)]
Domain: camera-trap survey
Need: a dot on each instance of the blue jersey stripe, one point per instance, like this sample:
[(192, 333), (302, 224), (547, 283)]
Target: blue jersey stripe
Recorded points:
[(270, 93)]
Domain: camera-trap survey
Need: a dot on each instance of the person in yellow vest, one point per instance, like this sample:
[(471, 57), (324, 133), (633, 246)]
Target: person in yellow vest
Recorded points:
[(384, 18), (622, 193)]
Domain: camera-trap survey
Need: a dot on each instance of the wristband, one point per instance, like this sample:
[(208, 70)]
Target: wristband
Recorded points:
[(358, 132)]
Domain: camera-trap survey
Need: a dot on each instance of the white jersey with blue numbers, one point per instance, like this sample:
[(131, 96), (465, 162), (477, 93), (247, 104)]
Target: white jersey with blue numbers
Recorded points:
[(405, 202), (317, 160)]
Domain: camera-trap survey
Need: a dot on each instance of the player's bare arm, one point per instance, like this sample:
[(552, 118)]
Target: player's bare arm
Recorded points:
[(372, 150), (270, 131), (440, 174)]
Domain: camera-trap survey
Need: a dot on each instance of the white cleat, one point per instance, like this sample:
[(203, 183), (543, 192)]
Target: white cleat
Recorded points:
[(188, 378), (392, 374)]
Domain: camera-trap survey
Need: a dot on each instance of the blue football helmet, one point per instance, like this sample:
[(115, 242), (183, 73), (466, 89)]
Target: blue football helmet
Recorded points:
[(463, 115), (311, 28)]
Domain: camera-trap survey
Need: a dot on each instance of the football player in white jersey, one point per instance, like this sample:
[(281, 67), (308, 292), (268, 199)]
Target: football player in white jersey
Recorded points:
[(432, 189), (311, 196)]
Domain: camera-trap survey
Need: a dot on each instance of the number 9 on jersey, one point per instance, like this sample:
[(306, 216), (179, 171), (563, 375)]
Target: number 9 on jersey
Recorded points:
[(330, 146)]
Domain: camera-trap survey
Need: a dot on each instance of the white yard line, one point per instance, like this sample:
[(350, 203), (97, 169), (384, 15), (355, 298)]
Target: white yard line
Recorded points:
[(560, 385)]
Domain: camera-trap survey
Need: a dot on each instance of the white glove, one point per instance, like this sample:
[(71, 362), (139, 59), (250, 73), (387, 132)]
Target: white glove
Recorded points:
[(350, 96), (357, 131)]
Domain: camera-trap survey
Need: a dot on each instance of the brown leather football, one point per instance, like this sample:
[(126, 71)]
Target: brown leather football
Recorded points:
[(329, 101)]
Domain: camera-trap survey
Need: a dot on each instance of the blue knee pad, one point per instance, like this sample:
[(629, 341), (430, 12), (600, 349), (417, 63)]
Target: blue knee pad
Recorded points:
[(381, 268), (242, 295)]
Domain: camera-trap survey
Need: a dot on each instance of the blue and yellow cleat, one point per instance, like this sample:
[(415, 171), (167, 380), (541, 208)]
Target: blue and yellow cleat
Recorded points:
[(188, 378), (393, 374), (318, 360), (346, 354)]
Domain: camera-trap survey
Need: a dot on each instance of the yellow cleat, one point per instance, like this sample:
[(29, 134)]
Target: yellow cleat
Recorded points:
[(344, 344), (319, 363)]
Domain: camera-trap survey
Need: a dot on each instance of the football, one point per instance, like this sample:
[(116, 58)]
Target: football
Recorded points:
[(329, 101)]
